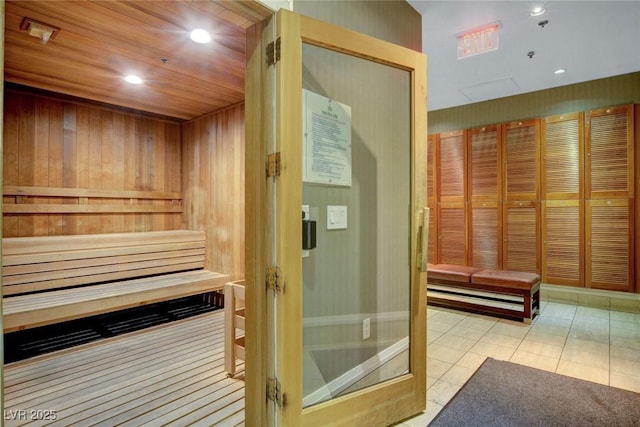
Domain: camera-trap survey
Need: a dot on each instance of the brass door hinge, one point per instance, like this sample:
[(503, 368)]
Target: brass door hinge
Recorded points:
[(273, 164), (274, 278), (274, 392), (273, 52)]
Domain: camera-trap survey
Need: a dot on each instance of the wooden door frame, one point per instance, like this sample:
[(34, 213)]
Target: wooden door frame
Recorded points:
[(381, 404)]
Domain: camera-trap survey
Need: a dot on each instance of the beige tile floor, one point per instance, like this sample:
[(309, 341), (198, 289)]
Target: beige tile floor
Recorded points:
[(593, 344)]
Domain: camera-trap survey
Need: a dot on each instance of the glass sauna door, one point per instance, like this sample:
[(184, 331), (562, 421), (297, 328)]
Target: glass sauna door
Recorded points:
[(349, 308)]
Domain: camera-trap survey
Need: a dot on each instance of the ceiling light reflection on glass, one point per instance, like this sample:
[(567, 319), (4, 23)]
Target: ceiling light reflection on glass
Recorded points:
[(537, 11), (200, 35), (478, 40)]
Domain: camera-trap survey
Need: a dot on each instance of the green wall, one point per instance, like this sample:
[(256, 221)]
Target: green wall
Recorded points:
[(624, 89)]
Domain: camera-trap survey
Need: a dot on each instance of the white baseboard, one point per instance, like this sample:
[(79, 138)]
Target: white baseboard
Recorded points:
[(610, 300), (356, 373)]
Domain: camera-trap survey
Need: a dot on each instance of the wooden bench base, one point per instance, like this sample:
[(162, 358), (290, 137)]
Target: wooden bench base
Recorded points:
[(234, 319), (510, 294)]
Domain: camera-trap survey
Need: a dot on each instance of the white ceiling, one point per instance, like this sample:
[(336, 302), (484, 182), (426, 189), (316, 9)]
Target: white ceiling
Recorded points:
[(590, 39)]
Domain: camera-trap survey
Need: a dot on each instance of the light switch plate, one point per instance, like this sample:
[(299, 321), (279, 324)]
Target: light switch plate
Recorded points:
[(336, 217)]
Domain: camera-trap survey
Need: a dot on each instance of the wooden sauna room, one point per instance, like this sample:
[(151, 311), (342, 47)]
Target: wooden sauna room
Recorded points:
[(150, 175), (125, 150)]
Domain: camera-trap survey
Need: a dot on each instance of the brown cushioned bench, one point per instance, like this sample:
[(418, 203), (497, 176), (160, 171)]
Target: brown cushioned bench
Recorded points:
[(511, 294), (51, 279)]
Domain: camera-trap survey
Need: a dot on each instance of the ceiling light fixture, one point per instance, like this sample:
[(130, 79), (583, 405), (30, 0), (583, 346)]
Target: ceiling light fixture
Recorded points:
[(200, 36), (133, 79), (560, 71), (537, 11)]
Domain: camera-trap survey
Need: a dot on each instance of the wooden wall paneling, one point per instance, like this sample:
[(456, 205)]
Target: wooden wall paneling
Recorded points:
[(609, 249), (432, 192), (563, 233), (58, 143), (173, 176), (562, 183), (213, 183), (451, 164), (77, 165), (26, 156), (485, 185), (610, 147), (40, 166), (521, 231), (56, 161), (11, 154)]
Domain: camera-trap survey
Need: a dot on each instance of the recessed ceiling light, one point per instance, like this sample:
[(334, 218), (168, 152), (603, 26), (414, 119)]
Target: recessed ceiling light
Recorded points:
[(537, 11), (200, 36), (133, 79), (560, 71)]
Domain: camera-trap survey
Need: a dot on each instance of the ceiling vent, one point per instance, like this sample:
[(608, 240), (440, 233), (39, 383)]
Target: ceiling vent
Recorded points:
[(40, 30)]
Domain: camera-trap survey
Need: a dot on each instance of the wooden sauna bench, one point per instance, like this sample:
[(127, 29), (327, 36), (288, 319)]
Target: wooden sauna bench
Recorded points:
[(506, 293), (51, 279)]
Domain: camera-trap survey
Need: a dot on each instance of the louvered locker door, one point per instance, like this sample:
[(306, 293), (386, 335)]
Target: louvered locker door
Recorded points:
[(452, 248), (451, 183), (609, 252), (486, 232), (563, 242), (610, 199), (562, 175), (484, 190), (521, 206), (521, 233), (432, 254), (610, 155), (521, 160)]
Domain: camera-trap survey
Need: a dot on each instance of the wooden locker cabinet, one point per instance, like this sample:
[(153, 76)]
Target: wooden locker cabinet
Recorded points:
[(562, 183), (521, 189), (452, 189), (610, 193), (485, 179)]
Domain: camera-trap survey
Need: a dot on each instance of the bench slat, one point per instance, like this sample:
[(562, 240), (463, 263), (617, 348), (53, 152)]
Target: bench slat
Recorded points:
[(44, 244), (56, 306), (82, 262), (108, 275)]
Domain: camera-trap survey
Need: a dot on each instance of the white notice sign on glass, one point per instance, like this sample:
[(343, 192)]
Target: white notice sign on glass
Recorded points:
[(326, 140)]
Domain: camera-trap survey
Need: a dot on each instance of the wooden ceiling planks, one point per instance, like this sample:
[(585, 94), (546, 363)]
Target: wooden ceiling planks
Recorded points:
[(100, 42)]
